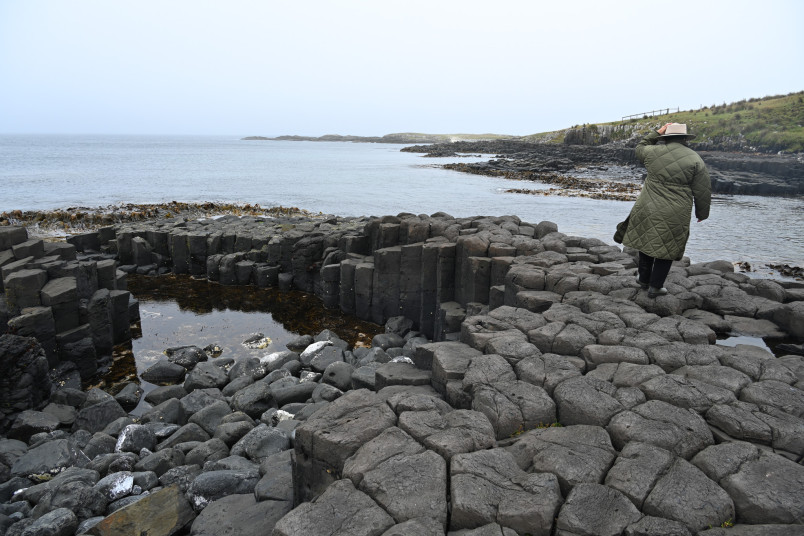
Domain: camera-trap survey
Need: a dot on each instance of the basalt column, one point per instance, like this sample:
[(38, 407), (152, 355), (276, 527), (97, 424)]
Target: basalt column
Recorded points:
[(467, 286), (437, 282), (385, 300), (410, 282), (364, 290)]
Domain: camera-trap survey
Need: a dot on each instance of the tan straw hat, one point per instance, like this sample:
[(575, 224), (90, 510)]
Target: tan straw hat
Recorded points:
[(677, 129)]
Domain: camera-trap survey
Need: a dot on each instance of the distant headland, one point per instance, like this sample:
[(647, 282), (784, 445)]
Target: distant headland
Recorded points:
[(401, 137), (766, 125)]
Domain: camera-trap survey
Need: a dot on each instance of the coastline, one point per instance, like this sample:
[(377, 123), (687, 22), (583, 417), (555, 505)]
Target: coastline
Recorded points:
[(495, 329), (60, 223)]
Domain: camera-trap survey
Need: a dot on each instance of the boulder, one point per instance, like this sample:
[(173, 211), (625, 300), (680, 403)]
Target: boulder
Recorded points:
[(59, 522), (212, 485), (254, 400), (31, 422), (165, 511), (163, 372), (260, 443), (49, 457), (205, 375), (134, 438)]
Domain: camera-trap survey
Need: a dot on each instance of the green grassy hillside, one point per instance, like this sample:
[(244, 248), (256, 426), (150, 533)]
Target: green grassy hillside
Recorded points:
[(769, 124)]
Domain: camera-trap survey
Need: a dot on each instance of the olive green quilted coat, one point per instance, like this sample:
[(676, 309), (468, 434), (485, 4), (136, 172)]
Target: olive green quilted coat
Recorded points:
[(659, 223)]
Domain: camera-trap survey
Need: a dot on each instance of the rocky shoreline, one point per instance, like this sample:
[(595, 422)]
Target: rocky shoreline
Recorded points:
[(524, 385), (604, 171)]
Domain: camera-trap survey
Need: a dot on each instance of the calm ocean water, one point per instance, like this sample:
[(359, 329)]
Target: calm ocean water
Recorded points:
[(348, 179)]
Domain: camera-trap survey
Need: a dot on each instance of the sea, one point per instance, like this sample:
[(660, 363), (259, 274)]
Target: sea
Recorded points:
[(45, 172)]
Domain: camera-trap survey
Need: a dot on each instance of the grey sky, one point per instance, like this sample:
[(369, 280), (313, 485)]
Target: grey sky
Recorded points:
[(375, 67)]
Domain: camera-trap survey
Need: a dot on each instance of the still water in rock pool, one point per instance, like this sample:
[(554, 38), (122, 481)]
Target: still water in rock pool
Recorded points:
[(182, 311)]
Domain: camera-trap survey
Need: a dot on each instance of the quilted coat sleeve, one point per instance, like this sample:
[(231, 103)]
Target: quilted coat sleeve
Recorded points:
[(647, 141), (701, 191)]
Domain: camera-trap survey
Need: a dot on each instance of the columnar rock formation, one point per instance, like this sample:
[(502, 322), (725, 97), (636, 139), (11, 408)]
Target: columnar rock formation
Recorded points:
[(77, 307), (524, 385)]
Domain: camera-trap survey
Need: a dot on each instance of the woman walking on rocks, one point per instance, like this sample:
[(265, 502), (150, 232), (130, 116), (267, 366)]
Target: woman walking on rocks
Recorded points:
[(659, 223)]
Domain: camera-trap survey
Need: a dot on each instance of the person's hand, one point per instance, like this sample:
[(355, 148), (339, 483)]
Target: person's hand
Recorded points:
[(662, 130)]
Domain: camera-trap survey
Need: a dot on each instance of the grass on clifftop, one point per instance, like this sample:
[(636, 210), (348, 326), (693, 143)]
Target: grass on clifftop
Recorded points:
[(768, 124)]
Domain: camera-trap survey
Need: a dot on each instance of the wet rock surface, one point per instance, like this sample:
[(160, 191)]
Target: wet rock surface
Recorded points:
[(533, 389)]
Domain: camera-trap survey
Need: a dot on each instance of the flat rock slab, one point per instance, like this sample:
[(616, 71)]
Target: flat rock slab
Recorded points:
[(449, 361), (717, 375), (334, 433), (410, 486), (766, 425), (452, 358), (489, 487), (400, 374), (625, 374), (596, 509), (514, 406), (637, 469), (487, 369), (575, 454), (687, 495), (671, 356), (241, 515), (686, 393), (777, 394), (586, 400), (450, 433), (755, 530), (421, 526), (598, 354), (546, 371), (765, 487), (391, 443), (682, 432), (340, 510)]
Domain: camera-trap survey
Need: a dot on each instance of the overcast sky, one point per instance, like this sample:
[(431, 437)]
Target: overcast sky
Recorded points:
[(373, 67)]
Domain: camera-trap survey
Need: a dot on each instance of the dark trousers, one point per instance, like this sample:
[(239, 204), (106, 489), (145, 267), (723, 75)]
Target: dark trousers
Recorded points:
[(653, 271)]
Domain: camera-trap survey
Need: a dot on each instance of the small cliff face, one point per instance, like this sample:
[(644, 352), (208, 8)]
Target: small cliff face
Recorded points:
[(601, 134)]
